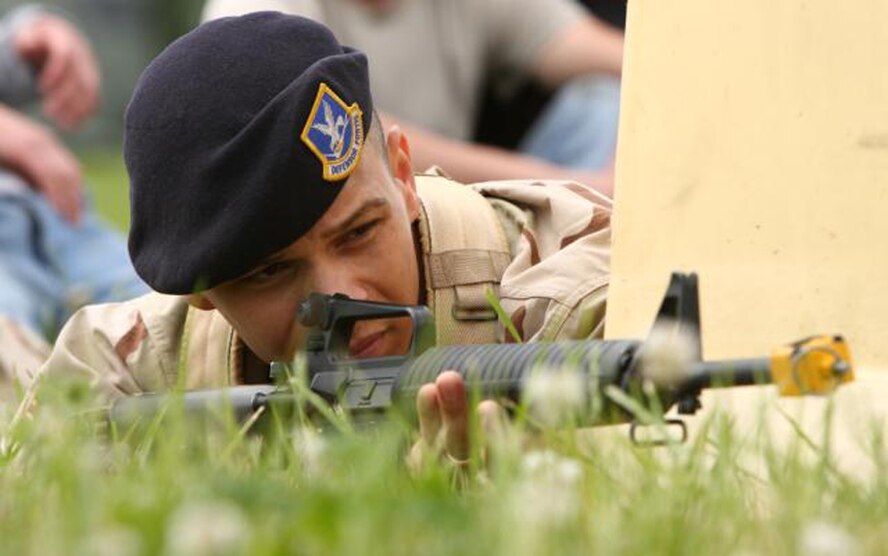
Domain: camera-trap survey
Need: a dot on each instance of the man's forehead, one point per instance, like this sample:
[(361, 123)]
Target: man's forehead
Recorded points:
[(340, 221), (369, 185)]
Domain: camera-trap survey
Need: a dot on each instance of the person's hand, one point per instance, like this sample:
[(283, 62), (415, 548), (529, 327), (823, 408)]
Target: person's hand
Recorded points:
[(32, 151), (68, 73), (443, 410)]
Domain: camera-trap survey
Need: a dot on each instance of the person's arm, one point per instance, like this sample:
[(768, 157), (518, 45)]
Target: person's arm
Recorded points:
[(587, 46), (66, 70), (52, 51), (32, 151), (553, 41), (122, 348), (555, 287), (471, 163), (556, 290)]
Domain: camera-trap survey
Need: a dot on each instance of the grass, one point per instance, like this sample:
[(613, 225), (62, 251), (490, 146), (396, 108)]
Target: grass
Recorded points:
[(108, 184), (70, 486)]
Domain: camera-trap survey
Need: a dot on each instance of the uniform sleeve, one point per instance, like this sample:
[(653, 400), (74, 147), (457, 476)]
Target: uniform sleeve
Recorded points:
[(22, 352), (17, 80), (120, 348), (517, 30), (214, 9), (555, 288)]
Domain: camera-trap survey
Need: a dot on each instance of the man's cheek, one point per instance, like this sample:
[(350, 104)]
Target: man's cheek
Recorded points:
[(291, 342)]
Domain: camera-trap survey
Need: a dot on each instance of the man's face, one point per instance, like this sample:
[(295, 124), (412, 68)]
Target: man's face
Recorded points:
[(362, 247)]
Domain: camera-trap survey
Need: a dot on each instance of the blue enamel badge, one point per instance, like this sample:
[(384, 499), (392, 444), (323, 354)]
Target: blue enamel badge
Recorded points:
[(335, 133)]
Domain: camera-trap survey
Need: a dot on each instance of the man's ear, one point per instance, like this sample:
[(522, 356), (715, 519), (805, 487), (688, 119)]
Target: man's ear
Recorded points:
[(401, 167), (200, 301)]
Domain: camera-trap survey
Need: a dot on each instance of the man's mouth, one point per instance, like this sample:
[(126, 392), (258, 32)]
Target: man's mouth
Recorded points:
[(367, 345)]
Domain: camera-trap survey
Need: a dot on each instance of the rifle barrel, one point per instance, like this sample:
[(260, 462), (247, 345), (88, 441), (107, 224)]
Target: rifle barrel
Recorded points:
[(726, 373)]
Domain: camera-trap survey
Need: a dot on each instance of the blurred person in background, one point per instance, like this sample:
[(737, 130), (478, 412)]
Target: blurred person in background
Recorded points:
[(525, 117), (431, 60), (54, 253)]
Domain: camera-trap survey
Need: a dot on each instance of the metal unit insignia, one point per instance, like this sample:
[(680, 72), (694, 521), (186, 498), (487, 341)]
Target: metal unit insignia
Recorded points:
[(334, 132)]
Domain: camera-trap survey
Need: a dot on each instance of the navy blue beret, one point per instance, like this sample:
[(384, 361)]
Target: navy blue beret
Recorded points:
[(238, 138)]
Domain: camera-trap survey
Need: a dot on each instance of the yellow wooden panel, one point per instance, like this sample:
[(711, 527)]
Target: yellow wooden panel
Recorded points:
[(753, 149)]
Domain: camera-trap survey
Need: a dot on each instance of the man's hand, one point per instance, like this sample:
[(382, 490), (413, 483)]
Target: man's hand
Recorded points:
[(68, 74), (32, 151), (443, 410)]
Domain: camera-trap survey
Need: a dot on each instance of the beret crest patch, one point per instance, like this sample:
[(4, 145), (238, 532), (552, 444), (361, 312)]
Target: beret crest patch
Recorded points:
[(334, 132)]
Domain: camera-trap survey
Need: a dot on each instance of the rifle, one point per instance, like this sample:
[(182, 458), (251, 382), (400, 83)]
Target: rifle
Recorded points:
[(367, 388)]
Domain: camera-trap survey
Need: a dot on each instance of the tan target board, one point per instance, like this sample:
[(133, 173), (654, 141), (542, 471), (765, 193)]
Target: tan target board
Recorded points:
[(753, 149)]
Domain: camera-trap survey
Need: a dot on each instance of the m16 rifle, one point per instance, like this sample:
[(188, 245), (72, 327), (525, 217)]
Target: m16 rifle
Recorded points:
[(366, 389)]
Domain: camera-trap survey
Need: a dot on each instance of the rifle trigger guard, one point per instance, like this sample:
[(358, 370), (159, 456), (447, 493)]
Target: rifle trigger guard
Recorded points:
[(665, 441)]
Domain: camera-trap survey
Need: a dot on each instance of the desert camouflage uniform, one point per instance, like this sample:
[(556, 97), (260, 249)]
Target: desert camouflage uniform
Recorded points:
[(547, 244), (21, 354)]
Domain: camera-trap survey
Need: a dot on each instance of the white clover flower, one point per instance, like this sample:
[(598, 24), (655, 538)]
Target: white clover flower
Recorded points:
[(207, 529), (547, 492), (821, 538), (114, 541), (549, 466), (312, 448), (667, 354), (555, 397)]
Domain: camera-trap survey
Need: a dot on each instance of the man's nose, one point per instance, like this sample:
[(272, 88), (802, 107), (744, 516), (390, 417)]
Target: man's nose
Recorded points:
[(340, 280)]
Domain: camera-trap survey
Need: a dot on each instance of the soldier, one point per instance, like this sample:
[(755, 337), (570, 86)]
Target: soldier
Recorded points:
[(259, 173)]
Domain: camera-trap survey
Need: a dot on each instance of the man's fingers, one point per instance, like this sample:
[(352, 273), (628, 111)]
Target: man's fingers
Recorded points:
[(428, 408), (58, 66), (71, 103), (443, 409), (455, 413), (493, 419), (72, 91), (494, 425)]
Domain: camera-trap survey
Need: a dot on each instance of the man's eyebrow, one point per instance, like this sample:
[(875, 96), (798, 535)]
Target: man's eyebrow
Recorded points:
[(375, 202), (337, 228)]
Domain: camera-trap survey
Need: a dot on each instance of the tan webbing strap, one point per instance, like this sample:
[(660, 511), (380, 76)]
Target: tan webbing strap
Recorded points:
[(465, 252), (206, 353)]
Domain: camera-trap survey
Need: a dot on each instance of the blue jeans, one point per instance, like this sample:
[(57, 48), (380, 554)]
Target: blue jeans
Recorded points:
[(578, 128), (48, 268)]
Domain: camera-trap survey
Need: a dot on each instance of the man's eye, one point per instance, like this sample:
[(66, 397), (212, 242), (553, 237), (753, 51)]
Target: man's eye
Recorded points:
[(359, 232), (269, 271)]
